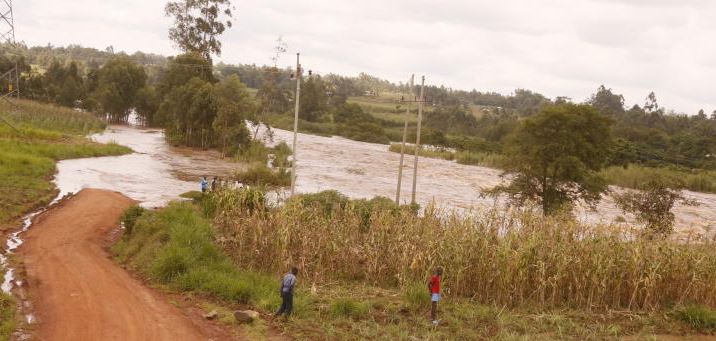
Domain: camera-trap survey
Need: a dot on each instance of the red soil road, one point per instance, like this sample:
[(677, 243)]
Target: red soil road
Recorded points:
[(79, 293)]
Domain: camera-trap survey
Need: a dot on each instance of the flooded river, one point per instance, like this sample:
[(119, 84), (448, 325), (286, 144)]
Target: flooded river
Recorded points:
[(157, 173)]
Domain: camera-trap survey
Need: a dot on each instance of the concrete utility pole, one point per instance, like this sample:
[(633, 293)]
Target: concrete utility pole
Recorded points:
[(421, 101), (402, 145), (294, 165)]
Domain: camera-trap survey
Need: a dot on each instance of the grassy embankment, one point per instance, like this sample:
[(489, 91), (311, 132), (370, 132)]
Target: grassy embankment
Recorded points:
[(363, 265), (45, 135)]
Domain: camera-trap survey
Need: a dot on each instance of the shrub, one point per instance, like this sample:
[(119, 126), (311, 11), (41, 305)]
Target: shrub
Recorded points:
[(129, 217), (7, 316), (175, 246), (699, 317), (261, 175), (346, 307), (415, 296)]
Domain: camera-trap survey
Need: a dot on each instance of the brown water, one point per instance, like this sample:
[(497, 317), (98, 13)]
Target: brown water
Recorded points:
[(157, 173), (364, 170)]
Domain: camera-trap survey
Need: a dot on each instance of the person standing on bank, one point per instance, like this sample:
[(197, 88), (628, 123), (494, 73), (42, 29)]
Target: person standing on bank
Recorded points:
[(288, 283), (204, 184), (434, 287)]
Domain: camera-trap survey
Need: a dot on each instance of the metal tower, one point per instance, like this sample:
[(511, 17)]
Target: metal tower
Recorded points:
[(7, 36)]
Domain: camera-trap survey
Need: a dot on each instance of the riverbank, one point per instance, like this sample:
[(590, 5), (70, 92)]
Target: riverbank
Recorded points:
[(363, 264), (78, 293), (34, 137)]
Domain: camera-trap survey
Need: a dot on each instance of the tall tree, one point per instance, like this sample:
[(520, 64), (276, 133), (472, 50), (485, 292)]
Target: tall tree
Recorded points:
[(181, 69), (272, 96), (235, 106), (119, 81), (198, 24), (607, 102), (555, 157), (314, 100)]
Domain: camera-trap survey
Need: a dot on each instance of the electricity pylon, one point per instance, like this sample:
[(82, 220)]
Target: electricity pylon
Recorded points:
[(7, 36)]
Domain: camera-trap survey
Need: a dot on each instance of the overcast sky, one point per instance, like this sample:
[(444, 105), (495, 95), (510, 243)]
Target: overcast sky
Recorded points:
[(555, 47)]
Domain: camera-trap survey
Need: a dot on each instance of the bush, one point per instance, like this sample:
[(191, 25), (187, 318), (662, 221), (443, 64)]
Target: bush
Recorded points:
[(261, 175), (7, 316), (639, 177), (699, 317), (346, 307), (416, 296), (326, 201), (175, 246), (129, 217)]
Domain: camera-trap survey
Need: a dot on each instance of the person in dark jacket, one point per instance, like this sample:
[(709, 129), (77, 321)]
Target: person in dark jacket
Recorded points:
[(288, 283)]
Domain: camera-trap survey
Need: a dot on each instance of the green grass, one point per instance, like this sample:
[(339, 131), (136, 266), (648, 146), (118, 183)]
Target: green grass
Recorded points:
[(28, 154), (175, 247), (259, 174), (7, 316), (699, 317), (40, 136), (638, 177), (424, 152), (178, 247), (491, 160)]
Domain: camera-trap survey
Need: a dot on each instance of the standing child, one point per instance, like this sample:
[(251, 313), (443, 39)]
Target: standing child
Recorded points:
[(204, 184), (287, 284), (434, 287)]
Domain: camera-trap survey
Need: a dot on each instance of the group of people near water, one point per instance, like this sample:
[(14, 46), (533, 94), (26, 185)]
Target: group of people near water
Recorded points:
[(217, 183), (289, 280)]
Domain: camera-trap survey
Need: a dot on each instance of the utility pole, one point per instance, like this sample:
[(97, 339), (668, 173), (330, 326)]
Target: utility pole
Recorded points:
[(421, 101), (402, 145), (295, 124)]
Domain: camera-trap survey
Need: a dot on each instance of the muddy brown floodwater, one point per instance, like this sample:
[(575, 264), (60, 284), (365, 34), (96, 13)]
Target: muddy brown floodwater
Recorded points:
[(158, 173), (364, 170), (155, 174)]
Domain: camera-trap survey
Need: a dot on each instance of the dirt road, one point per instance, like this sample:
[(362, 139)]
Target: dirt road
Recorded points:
[(79, 293)]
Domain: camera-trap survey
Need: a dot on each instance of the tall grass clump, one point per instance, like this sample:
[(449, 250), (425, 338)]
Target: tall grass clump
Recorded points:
[(492, 160), (436, 153), (350, 308), (175, 246), (259, 174), (639, 177), (699, 317), (7, 316), (494, 257)]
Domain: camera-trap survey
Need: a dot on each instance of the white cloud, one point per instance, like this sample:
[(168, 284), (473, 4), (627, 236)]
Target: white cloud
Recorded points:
[(557, 47)]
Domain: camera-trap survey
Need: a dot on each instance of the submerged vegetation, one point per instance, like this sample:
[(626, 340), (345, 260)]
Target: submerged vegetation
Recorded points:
[(365, 261)]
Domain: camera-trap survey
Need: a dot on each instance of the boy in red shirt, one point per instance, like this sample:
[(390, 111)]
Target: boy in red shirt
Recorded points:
[(434, 287)]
